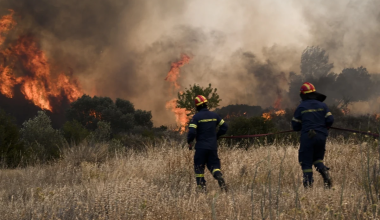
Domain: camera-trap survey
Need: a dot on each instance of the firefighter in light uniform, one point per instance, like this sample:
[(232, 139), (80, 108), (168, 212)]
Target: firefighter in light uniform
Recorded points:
[(203, 128), (312, 118)]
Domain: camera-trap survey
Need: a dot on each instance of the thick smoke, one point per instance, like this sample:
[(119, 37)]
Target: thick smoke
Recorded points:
[(250, 50), (348, 30)]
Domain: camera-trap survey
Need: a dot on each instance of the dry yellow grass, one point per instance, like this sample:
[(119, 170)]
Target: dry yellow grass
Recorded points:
[(159, 183)]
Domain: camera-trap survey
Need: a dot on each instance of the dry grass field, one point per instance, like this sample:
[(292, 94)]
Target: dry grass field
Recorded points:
[(159, 183)]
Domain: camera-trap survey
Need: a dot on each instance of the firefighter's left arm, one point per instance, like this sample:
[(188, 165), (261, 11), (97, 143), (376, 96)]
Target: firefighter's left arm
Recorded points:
[(297, 120), (223, 127), (329, 118), (192, 130)]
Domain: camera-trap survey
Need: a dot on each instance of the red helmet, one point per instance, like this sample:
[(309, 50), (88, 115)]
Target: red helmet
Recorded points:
[(307, 88), (199, 100)]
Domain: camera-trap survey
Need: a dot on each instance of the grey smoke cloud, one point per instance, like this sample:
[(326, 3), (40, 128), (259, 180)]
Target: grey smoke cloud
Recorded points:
[(124, 48)]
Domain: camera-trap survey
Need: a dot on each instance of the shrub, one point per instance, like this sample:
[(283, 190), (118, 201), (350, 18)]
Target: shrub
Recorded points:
[(253, 125), (85, 152), (102, 132), (73, 131), (40, 138), (11, 148)]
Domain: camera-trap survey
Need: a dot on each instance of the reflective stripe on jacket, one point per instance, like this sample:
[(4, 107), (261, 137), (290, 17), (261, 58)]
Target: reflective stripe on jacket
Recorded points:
[(203, 128), (312, 114)]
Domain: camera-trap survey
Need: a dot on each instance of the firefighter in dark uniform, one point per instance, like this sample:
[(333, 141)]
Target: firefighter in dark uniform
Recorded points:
[(312, 118), (202, 128)]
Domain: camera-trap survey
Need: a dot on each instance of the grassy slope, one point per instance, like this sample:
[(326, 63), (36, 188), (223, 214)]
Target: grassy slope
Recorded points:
[(160, 184)]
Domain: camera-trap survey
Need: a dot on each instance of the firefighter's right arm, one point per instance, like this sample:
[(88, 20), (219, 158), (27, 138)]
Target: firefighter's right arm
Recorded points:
[(223, 127), (192, 130), (297, 120), (329, 118)]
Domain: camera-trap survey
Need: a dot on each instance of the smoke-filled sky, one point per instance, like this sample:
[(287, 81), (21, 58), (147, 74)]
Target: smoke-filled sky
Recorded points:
[(124, 48)]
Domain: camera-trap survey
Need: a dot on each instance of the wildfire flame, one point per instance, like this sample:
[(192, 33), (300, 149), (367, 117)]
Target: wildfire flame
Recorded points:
[(345, 111), (95, 114), (38, 84), (277, 106), (180, 114), (6, 24), (173, 74), (266, 115), (172, 77), (279, 112)]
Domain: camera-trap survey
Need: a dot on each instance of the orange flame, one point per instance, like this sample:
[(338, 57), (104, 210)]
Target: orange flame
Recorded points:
[(8, 81), (173, 74), (38, 85), (6, 77), (277, 106), (279, 112), (267, 115), (6, 24), (345, 111), (180, 113), (95, 114)]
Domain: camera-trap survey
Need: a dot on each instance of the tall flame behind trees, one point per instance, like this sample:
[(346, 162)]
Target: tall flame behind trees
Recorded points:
[(172, 77), (37, 83), (173, 74)]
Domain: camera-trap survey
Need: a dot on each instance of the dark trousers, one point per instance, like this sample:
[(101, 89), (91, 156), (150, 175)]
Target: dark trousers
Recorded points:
[(203, 158), (311, 152)]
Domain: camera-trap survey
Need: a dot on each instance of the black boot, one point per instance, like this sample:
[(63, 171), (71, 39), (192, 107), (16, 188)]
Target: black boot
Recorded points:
[(326, 177), (221, 182), (307, 184), (201, 184), (308, 180), (201, 188)]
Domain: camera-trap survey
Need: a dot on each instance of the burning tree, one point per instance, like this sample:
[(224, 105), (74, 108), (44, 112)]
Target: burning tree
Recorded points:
[(186, 99)]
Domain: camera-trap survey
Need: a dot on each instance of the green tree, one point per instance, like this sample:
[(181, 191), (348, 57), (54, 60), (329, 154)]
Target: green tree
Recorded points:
[(41, 138), (315, 63), (143, 118), (121, 114), (316, 69), (11, 148), (354, 84), (186, 99)]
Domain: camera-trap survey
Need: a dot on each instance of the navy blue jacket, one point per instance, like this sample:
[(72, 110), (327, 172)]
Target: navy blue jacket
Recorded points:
[(312, 114), (203, 128)]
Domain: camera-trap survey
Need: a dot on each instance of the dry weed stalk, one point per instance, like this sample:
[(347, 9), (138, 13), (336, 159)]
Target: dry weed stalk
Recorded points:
[(158, 183)]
